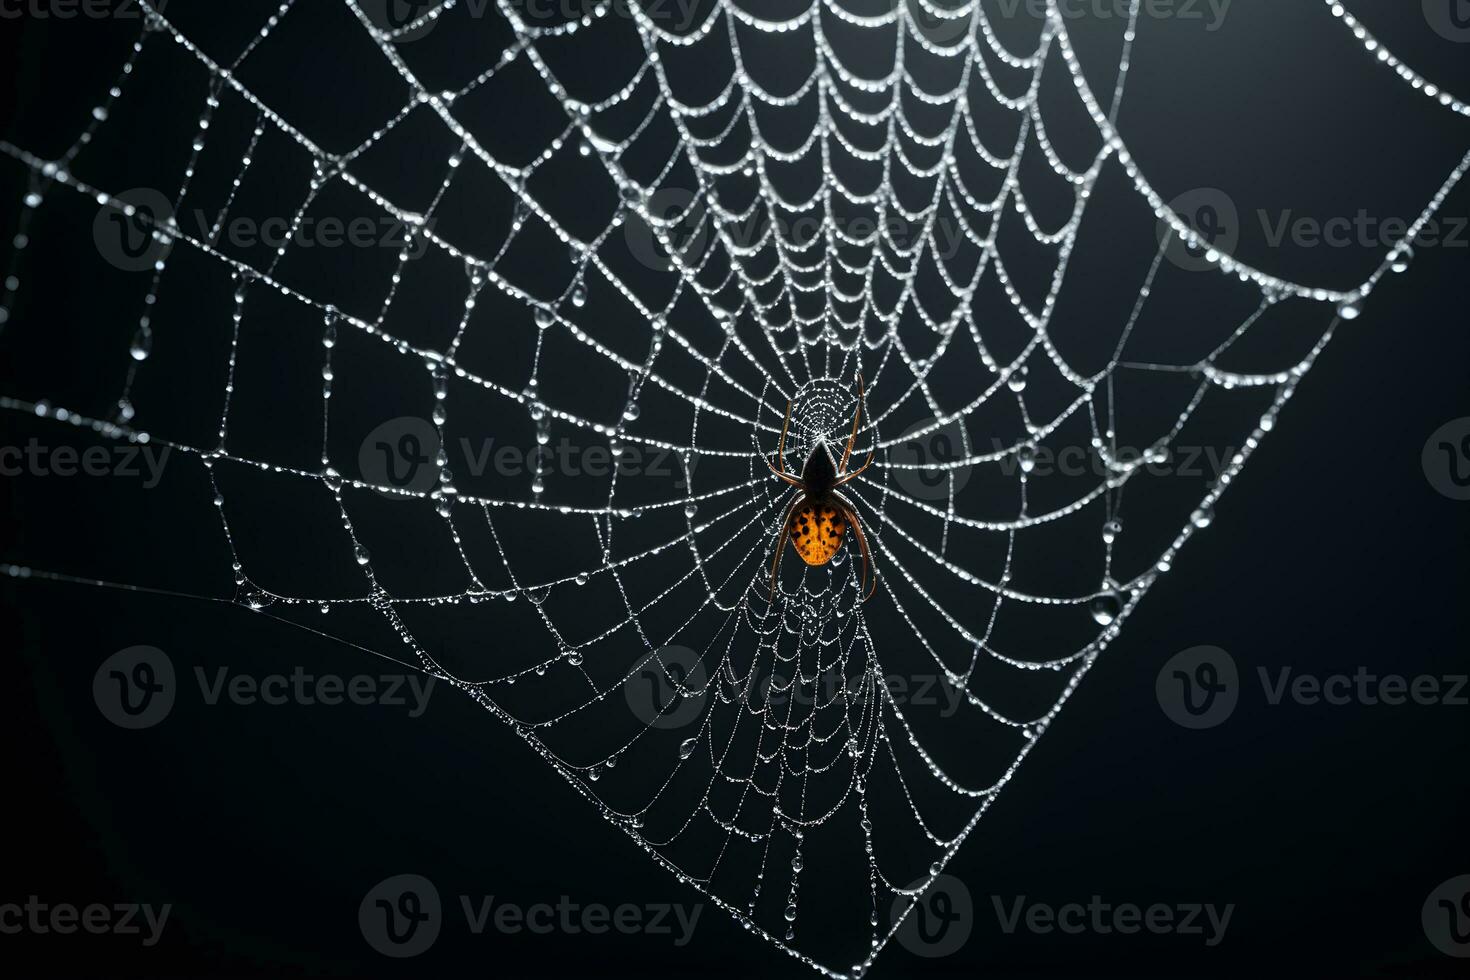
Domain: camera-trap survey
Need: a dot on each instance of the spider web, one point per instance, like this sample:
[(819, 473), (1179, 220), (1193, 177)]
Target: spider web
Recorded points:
[(919, 229)]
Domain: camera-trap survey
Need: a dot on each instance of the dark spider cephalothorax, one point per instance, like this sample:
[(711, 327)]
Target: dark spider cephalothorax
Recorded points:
[(819, 517)]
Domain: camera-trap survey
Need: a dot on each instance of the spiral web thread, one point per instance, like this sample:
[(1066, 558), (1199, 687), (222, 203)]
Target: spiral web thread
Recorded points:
[(791, 754)]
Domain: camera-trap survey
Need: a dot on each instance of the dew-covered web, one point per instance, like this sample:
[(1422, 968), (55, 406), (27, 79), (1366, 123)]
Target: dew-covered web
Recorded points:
[(648, 266)]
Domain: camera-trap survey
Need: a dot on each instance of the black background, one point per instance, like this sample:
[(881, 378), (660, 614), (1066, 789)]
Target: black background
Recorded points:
[(1325, 826)]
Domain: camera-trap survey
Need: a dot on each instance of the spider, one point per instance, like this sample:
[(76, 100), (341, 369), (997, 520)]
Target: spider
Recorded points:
[(818, 518)]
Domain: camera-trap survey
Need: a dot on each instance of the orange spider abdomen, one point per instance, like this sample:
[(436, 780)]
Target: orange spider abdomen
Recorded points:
[(817, 531)]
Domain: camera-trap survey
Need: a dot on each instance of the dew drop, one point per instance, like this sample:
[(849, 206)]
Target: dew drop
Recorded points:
[(1106, 606), (686, 747), (1026, 456), (361, 554), (1402, 259), (1017, 381), (142, 344), (1111, 530), (543, 317), (1350, 308), (791, 913), (579, 295), (1203, 517), (632, 412)]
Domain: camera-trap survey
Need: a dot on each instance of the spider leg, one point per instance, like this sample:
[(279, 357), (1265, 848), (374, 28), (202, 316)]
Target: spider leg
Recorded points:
[(785, 424), (857, 420), (781, 541), (781, 454), (855, 473), (862, 539), (785, 476), (850, 514)]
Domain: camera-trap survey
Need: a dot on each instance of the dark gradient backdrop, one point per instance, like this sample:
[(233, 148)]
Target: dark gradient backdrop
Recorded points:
[(1326, 826)]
